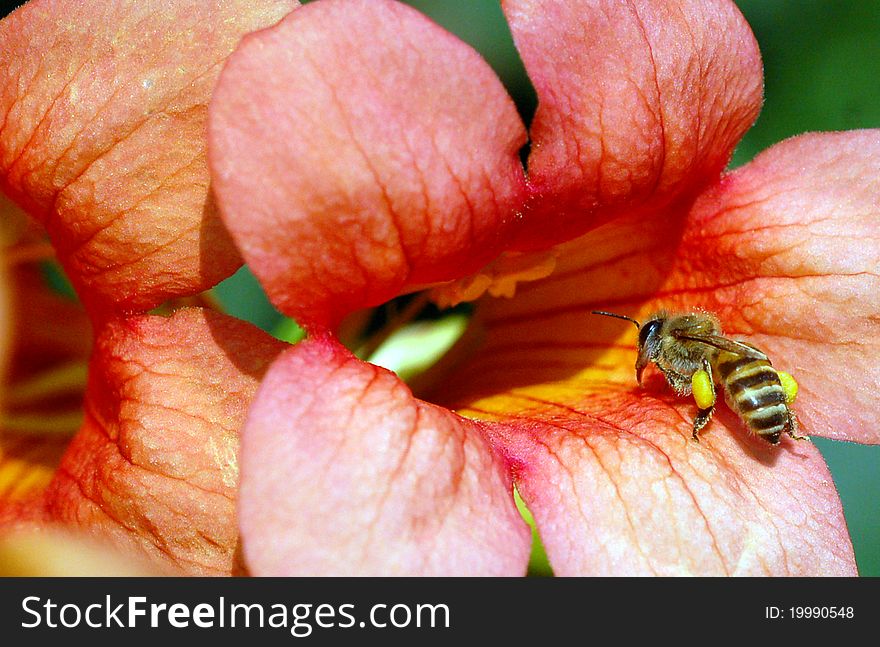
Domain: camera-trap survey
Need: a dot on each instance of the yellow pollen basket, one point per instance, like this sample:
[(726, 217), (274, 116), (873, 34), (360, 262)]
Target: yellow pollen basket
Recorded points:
[(704, 394), (789, 385)]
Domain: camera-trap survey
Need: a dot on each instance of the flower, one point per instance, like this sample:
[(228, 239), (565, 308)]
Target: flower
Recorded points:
[(357, 151), (102, 143)]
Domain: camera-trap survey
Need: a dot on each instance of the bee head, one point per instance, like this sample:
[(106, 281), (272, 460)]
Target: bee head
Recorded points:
[(648, 332), (649, 345), (649, 338)]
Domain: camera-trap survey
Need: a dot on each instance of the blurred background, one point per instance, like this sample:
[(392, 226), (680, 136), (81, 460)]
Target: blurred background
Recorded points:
[(822, 72)]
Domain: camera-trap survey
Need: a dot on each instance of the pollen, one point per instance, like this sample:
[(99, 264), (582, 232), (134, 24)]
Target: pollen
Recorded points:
[(789, 385), (701, 385)]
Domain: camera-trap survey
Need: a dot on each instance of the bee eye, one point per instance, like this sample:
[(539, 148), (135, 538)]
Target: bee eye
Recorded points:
[(648, 330)]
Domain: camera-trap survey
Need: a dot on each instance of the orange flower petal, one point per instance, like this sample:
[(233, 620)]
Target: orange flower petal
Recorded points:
[(345, 473), (638, 103), (356, 148), (102, 138), (155, 466)]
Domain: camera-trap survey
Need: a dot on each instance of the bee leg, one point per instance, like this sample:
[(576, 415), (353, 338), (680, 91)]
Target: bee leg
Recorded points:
[(679, 383), (792, 427), (702, 419)]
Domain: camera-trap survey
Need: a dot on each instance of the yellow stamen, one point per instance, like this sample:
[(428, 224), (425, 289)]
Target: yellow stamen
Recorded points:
[(499, 278), (704, 394), (789, 385)]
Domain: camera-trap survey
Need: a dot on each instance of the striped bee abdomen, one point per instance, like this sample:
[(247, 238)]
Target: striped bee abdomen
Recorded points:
[(753, 390)]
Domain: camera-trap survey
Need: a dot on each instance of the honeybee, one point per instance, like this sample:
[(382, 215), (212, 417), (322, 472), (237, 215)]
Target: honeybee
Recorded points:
[(693, 355)]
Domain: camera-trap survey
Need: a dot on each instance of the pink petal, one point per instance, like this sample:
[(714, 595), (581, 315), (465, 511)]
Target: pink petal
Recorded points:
[(344, 473), (357, 148), (102, 139), (639, 103), (617, 487), (155, 467), (787, 251)]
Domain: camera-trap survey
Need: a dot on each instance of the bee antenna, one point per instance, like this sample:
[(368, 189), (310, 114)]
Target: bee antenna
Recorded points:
[(616, 316)]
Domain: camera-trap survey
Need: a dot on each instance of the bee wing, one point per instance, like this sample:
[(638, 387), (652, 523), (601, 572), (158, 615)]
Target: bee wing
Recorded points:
[(722, 343)]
